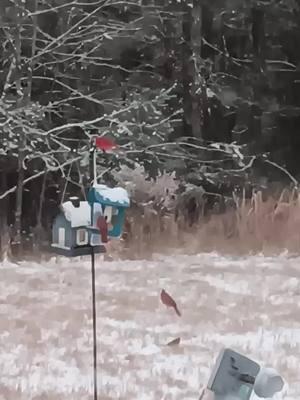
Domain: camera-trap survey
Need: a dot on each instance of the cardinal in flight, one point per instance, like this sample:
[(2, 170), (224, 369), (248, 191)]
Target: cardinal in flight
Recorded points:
[(168, 301)]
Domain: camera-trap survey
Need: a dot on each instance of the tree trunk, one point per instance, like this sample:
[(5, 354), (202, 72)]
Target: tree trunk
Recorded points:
[(22, 136), (186, 73), (24, 98), (3, 215), (41, 202), (195, 104), (19, 192), (259, 45), (198, 90)]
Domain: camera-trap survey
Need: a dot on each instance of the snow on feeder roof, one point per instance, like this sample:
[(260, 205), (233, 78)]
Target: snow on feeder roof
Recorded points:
[(78, 216), (115, 197)]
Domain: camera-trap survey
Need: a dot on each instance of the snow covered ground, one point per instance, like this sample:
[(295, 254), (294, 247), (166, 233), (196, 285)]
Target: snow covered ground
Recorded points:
[(250, 304)]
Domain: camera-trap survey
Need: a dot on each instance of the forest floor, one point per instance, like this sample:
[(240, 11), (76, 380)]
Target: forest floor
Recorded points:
[(248, 303)]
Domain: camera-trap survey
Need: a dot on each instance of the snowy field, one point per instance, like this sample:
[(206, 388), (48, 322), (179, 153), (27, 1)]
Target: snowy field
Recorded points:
[(250, 304)]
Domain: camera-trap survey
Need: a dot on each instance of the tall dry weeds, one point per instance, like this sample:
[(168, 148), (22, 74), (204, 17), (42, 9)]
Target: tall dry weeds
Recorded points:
[(269, 225)]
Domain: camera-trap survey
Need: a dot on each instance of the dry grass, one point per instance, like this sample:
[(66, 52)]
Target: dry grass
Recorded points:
[(254, 225), (269, 226)]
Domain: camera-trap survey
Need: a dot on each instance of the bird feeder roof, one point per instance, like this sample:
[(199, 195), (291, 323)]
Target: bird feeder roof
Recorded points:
[(115, 197), (77, 216)]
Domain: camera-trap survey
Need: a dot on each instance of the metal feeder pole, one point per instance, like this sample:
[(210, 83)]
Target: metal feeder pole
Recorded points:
[(94, 314), (94, 322)]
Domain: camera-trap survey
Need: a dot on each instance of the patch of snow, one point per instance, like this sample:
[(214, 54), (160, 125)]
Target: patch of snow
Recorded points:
[(210, 93), (239, 286), (46, 339), (78, 216), (116, 195)]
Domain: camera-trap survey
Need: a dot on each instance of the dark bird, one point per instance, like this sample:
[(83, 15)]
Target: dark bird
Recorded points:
[(167, 300), (174, 342)]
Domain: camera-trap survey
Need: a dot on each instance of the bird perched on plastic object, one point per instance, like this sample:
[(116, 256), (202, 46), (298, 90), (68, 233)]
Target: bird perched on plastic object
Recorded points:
[(103, 228), (167, 300)]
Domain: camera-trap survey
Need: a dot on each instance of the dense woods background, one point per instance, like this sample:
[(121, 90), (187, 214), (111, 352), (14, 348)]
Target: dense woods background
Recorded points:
[(206, 89)]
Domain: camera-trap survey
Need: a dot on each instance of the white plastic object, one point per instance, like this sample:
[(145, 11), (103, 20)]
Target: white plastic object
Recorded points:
[(267, 383)]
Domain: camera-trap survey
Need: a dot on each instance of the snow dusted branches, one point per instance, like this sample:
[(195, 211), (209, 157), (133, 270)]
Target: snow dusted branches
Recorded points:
[(74, 69), (38, 174)]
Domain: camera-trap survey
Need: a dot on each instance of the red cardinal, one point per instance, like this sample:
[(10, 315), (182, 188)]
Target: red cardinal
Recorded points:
[(167, 300), (103, 228), (104, 143)]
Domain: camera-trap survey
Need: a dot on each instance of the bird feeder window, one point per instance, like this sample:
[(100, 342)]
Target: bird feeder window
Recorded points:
[(81, 237), (244, 392), (61, 237), (95, 239), (108, 212)]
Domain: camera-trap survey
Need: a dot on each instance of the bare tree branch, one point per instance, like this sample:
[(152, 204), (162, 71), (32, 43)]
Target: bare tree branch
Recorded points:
[(31, 178)]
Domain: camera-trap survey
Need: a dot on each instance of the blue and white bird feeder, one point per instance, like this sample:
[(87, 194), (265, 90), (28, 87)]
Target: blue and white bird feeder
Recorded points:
[(83, 227), (84, 224)]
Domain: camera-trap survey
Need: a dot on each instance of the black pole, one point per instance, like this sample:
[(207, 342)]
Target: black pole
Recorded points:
[(94, 314), (94, 322)]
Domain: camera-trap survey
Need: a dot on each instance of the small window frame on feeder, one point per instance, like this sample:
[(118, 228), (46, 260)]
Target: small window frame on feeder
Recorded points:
[(83, 242), (108, 213), (61, 236)]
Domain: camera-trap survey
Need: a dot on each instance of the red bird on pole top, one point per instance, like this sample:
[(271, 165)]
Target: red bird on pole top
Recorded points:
[(105, 143)]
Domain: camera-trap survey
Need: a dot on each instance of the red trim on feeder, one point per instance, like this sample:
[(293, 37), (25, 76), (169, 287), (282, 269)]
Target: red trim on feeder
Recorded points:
[(103, 228)]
